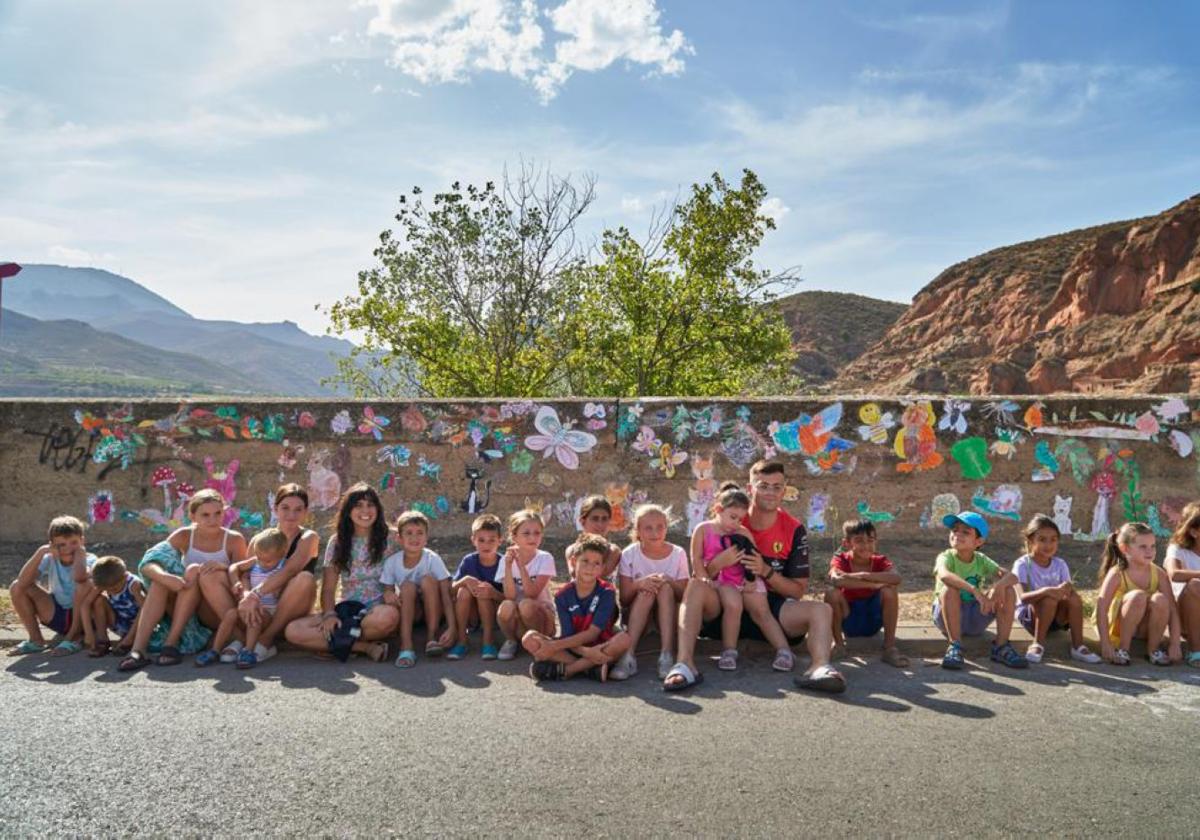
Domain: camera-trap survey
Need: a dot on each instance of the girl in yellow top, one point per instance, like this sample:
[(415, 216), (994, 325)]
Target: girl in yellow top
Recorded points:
[(1135, 598)]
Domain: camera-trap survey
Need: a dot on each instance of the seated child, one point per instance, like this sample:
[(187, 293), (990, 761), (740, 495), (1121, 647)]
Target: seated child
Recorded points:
[(64, 562), (595, 515), (587, 613), (718, 547), (1046, 599), (1135, 599), (864, 594), (653, 576), (961, 607), (419, 584), (525, 572), (477, 593), (1182, 565), (114, 605), (268, 551)]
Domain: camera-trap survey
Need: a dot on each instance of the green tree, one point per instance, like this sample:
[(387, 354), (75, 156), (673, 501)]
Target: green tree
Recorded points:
[(683, 314), (471, 298)]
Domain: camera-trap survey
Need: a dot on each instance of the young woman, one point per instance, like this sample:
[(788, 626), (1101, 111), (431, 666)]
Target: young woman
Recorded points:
[(293, 587), (354, 556)]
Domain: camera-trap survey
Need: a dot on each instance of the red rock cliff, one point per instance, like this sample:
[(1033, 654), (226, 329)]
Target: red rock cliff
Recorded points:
[(1114, 308)]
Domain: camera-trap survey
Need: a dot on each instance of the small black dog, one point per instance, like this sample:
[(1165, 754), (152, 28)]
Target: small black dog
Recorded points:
[(744, 543), (351, 614)]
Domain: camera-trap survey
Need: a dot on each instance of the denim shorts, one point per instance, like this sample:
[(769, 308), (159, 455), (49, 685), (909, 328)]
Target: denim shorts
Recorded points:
[(972, 620)]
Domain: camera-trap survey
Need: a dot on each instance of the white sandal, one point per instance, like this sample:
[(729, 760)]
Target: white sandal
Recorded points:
[(1034, 654), (728, 660)]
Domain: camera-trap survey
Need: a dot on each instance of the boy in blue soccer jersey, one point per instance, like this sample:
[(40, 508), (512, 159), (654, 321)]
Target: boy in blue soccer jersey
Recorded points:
[(587, 616)]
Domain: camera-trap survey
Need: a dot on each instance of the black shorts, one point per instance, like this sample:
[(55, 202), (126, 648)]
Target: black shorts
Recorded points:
[(749, 630)]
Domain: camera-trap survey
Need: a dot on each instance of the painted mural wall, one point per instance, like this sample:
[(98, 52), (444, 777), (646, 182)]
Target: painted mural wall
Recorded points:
[(130, 468)]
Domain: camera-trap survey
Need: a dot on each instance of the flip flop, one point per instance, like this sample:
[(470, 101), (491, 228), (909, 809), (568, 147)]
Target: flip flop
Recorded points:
[(169, 655), (406, 659), (434, 649), (66, 648), (825, 679), (27, 647), (691, 678)]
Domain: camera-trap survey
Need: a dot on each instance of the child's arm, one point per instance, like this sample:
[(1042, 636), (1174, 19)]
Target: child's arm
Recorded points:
[(614, 560), (696, 553), (139, 598), (1174, 651), (448, 611), (1103, 601), (329, 583), (534, 588), (584, 638), (510, 582), (29, 572), (627, 589), (953, 581), (1176, 572), (236, 573), (157, 574)]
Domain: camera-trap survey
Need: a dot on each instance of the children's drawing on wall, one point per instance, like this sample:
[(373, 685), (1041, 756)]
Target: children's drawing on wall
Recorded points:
[(876, 424), (1104, 483), (1047, 466), (1002, 412), (1004, 502), (476, 502), (555, 438), (629, 418), (879, 517), (954, 416), (940, 506), (1132, 503), (429, 469), (1005, 444), (814, 436), (1181, 442), (618, 497), (593, 416), (1061, 514), (101, 508), (702, 491), (224, 482), (341, 423), (666, 460), (324, 486), (165, 478), (916, 442), (814, 520), (971, 455)]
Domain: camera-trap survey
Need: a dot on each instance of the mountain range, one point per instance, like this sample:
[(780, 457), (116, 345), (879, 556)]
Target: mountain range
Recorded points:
[(85, 331)]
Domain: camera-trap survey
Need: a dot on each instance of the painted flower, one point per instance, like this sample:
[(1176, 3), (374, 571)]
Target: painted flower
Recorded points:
[(341, 423)]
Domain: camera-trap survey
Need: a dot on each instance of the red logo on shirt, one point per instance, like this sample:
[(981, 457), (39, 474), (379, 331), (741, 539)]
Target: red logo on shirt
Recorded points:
[(777, 547)]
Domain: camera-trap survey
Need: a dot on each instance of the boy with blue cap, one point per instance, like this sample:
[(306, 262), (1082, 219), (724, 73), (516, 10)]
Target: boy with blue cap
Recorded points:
[(964, 604)]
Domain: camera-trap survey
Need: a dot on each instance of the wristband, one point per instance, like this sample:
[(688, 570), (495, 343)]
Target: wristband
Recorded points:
[(770, 573)]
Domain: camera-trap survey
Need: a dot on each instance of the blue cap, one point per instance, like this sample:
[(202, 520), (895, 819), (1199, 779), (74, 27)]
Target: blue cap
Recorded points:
[(967, 517)]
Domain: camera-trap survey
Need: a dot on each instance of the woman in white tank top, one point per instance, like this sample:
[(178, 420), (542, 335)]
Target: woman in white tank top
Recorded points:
[(208, 547)]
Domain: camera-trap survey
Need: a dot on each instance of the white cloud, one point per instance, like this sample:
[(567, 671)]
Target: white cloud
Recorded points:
[(66, 255), (452, 41), (774, 209)]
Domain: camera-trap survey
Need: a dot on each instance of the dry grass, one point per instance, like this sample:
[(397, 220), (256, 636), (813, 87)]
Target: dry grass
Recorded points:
[(7, 616)]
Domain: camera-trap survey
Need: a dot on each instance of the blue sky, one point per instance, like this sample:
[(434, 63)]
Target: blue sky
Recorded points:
[(240, 158)]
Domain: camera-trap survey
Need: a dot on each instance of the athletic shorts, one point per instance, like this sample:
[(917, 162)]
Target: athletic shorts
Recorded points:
[(749, 630), (865, 617), (60, 622)]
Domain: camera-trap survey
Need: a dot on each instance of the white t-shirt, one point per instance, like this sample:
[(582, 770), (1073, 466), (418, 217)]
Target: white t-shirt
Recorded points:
[(396, 573), (635, 564), (1187, 559), (541, 564), (1033, 576)]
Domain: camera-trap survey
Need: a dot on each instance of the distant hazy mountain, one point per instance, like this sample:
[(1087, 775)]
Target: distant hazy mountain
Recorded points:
[(263, 358), (70, 358)]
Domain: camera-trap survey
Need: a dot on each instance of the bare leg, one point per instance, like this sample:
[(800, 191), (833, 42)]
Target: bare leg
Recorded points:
[(295, 601), (1189, 613), (487, 618), (506, 616), (186, 603), (464, 610), (700, 603), (841, 608), (33, 605), (159, 601), (1160, 615), (666, 607), (731, 615), (951, 603), (639, 614), (1070, 613), (760, 612), (408, 613), (813, 619), (1045, 610), (431, 597), (890, 598), (225, 630), (1133, 610), (1004, 615)]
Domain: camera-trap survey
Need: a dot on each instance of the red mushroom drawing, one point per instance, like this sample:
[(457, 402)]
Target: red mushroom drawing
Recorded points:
[(164, 477)]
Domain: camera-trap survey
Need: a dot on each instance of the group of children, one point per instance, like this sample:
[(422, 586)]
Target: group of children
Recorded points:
[(378, 584)]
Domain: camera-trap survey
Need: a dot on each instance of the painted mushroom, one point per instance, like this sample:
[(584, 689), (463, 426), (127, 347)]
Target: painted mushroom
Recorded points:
[(164, 477)]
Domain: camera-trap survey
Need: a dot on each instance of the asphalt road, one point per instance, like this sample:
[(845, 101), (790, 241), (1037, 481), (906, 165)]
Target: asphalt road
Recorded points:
[(299, 747)]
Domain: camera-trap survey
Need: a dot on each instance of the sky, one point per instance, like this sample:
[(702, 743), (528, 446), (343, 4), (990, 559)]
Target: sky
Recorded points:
[(241, 158)]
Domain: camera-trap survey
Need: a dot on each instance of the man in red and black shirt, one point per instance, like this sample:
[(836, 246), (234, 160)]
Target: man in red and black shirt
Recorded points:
[(782, 564)]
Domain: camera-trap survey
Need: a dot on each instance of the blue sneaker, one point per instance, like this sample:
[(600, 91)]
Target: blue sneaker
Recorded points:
[(206, 657), (247, 659), (1007, 654), (489, 652), (953, 660), (457, 652)]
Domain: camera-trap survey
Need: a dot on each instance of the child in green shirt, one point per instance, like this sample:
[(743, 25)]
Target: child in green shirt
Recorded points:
[(964, 604)]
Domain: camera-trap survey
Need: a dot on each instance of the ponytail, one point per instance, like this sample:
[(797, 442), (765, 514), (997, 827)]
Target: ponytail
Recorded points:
[(1118, 539), (731, 495)]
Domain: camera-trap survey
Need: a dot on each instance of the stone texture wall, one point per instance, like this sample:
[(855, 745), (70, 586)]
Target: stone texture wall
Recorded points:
[(128, 468)]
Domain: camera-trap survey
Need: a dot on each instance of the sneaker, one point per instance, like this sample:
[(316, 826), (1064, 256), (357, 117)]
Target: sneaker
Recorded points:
[(1159, 657), (264, 653), (1034, 654), (508, 650), (1007, 654), (546, 670), (665, 661), (457, 652), (229, 654), (953, 659), (247, 659), (1084, 654), (488, 652), (206, 657)]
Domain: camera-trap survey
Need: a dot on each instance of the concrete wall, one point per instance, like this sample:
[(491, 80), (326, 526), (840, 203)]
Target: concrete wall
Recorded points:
[(1093, 463)]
